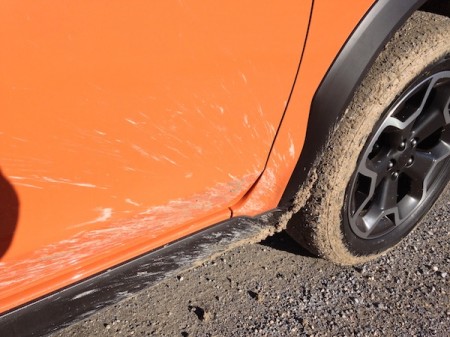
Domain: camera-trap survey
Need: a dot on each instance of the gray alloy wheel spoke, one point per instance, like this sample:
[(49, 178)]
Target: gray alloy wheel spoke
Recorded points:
[(386, 196), (412, 107), (375, 221), (370, 220), (384, 203), (430, 123), (377, 169), (363, 204), (435, 114), (424, 167), (429, 98), (423, 162), (439, 152)]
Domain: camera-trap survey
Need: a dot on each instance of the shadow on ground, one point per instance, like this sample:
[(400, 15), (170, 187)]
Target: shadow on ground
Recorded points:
[(283, 242)]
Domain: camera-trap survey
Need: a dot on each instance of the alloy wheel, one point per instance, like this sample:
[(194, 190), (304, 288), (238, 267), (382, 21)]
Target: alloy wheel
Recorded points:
[(401, 163)]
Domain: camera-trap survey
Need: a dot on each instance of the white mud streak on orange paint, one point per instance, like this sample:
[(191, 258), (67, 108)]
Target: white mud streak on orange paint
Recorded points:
[(90, 246)]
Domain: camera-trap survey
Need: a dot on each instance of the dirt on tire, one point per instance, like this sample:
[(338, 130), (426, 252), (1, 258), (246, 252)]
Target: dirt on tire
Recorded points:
[(423, 40)]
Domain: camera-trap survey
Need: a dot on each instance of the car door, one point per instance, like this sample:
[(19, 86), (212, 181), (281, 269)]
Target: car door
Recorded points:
[(127, 125)]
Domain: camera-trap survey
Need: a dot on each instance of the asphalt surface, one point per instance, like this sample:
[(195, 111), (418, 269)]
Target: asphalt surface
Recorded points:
[(275, 288)]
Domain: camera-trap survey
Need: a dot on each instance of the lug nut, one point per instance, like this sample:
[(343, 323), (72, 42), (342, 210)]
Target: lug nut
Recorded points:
[(402, 146), (375, 148), (394, 175), (414, 142), (391, 164), (410, 161)]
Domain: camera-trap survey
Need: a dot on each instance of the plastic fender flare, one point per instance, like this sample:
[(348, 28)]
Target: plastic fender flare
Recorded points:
[(343, 77)]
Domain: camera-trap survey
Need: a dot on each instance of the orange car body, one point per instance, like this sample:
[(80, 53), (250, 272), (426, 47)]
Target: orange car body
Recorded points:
[(128, 125)]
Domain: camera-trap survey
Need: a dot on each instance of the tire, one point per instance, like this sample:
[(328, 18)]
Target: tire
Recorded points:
[(388, 159)]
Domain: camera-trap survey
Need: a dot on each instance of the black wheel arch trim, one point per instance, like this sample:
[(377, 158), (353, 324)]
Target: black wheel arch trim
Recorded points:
[(343, 77)]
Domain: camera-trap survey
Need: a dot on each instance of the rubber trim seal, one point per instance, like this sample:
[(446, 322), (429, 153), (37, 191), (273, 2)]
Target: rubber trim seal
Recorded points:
[(346, 73)]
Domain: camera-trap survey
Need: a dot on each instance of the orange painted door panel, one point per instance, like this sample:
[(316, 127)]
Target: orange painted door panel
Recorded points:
[(327, 34), (127, 124)]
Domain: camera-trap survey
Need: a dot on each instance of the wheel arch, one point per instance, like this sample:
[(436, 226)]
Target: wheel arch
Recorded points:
[(437, 7), (346, 73)]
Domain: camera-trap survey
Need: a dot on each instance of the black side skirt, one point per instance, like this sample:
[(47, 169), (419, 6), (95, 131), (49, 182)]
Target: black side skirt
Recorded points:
[(82, 299)]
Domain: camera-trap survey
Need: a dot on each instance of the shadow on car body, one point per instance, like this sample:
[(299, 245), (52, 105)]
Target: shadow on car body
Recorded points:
[(9, 213)]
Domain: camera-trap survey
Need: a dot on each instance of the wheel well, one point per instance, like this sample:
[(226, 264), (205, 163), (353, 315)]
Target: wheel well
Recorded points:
[(437, 7), (344, 76)]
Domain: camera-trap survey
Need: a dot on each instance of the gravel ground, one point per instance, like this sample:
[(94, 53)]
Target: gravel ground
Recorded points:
[(276, 289)]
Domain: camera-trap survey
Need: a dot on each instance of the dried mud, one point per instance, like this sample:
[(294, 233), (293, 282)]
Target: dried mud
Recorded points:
[(423, 40), (275, 288)]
